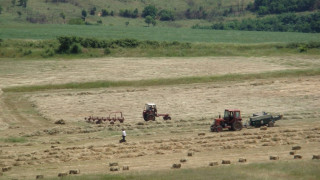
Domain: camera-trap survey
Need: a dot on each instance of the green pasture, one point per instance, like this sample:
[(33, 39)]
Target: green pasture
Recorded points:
[(283, 170), (51, 31)]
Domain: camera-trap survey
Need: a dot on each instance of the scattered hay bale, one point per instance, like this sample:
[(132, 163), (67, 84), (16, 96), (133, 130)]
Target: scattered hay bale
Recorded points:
[(140, 123), (316, 157), (201, 134), (226, 162), (74, 171), (114, 168), (297, 156), (292, 152), (190, 153), (263, 128), (113, 164), (242, 160), (39, 177), (213, 163), (176, 166), (5, 169), (61, 121), (62, 174), (274, 157), (183, 160), (296, 147), (125, 168)]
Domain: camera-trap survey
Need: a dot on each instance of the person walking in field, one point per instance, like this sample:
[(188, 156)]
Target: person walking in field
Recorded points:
[(124, 134)]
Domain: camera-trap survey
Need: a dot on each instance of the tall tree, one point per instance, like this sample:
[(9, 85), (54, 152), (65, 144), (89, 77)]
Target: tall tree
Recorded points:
[(148, 20), (150, 11), (84, 14)]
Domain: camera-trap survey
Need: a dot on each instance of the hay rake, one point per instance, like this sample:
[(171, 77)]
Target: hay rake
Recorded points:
[(113, 117)]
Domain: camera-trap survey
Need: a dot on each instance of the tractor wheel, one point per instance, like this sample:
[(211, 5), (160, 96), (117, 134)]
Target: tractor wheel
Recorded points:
[(237, 126), (218, 128), (271, 124), (151, 117)]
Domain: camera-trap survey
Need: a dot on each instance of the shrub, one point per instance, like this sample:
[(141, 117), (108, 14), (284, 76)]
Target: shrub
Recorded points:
[(76, 21), (107, 51), (48, 52), (75, 48)]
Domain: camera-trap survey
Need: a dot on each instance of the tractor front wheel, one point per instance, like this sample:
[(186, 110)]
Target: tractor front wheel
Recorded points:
[(237, 126)]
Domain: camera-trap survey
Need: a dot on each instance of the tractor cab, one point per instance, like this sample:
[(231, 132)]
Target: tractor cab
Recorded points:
[(150, 112), (151, 107), (231, 115), (231, 120)]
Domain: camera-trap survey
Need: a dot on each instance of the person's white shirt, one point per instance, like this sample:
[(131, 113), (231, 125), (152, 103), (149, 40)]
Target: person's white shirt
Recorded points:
[(124, 133)]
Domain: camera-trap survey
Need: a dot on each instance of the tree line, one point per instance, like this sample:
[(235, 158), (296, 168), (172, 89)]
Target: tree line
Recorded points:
[(285, 22), (263, 7)]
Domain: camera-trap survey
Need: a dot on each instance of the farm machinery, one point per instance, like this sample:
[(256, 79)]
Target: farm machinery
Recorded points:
[(150, 113), (263, 119), (231, 120), (112, 118)]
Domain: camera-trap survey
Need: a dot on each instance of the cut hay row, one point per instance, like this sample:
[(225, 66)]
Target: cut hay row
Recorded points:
[(167, 81)]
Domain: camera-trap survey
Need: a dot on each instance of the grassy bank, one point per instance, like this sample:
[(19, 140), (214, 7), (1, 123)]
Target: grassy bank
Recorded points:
[(167, 81), (43, 49), (268, 171), (52, 31)]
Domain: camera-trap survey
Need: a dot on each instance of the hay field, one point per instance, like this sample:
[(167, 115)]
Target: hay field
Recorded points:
[(31, 144)]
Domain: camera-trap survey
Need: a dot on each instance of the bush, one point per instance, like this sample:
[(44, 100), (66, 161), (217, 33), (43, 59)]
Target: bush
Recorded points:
[(48, 53), (76, 21), (75, 48), (107, 51)]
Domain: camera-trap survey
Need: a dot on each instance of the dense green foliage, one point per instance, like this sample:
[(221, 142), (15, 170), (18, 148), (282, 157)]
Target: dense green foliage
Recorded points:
[(283, 23), (150, 10), (282, 6), (129, 13)]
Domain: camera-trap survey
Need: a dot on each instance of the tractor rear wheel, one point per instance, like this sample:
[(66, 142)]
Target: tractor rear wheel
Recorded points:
[(237, 126), (151, 117)]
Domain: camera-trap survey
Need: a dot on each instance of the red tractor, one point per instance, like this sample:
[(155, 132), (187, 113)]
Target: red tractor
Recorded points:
[(150, 113), (231, 120)]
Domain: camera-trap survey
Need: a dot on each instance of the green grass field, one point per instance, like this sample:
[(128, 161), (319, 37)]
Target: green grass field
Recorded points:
[(268, 171), (48, 31)]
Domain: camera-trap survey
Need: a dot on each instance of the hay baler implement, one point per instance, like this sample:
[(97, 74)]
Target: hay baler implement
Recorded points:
[(113, 117)]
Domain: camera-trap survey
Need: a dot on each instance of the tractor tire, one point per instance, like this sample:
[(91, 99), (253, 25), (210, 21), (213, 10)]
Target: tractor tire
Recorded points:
[(151, 117), (237, 126), (271, 124), (216, 128)]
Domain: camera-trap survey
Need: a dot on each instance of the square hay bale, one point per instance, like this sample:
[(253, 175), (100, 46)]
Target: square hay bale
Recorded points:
[(113, 164), (176, 166), (183, 160), (190, 153), (5, 169), (74, 171), (226, 162), (113, 168), (213, 163), (62, 174), (297, 156), (242, 160), (296, 147), (292, 152), (274, 157), (316, 157), (125, 168), (39, 177)]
